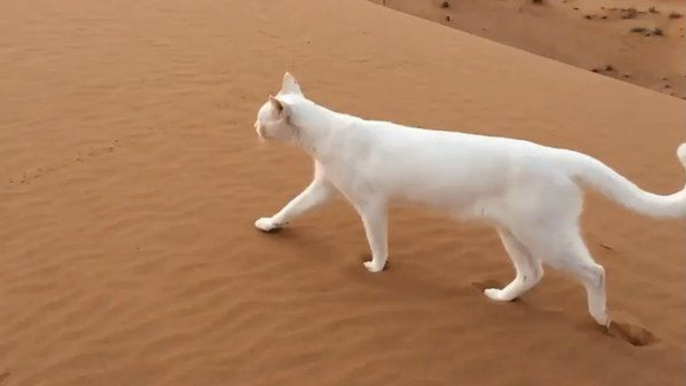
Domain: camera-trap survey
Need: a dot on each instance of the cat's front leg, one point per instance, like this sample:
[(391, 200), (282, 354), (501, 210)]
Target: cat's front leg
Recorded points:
[(267, 224), (375, 220), (316, 194)]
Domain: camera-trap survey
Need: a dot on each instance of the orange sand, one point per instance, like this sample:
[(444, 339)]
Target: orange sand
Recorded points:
[(590, 34), (130, 179)]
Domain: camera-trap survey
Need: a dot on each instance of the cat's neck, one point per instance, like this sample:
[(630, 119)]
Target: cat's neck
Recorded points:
[(315, 125)]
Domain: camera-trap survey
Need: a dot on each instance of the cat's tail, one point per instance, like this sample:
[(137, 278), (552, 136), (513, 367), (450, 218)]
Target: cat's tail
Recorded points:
[(602, 178)]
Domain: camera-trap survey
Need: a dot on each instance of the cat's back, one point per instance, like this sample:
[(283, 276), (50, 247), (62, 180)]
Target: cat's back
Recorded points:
[(391, 136), (416, 150)]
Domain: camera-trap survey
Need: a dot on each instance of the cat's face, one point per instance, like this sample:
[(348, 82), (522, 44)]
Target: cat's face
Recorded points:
[(265, 117), (272, 121), (273, 117)]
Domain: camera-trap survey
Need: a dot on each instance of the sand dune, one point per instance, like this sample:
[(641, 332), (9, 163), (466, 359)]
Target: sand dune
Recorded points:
[(131, 178), (636, 41)]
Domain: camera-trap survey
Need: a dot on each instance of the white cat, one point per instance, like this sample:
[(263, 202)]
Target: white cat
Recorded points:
[(527, 191)]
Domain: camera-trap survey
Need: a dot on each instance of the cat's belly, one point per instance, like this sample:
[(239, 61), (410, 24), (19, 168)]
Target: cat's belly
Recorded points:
[(484, 209), (453, 201)]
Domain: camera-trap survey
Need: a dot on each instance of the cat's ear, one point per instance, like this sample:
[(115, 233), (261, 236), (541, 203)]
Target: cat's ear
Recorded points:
[(280, 107), (290, 85)]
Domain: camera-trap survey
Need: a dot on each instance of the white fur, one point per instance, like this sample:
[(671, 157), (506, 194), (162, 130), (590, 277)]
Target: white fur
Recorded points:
[(529, 192)]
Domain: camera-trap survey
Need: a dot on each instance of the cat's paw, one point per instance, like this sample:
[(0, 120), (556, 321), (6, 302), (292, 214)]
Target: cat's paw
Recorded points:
[(373, 267), (494, 294), (266, 224)]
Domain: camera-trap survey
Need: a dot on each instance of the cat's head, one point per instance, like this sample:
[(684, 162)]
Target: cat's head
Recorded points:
[(273, 118)]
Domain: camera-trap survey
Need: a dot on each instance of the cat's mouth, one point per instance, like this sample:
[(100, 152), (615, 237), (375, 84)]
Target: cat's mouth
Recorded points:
[(258, 129), (260, 133)]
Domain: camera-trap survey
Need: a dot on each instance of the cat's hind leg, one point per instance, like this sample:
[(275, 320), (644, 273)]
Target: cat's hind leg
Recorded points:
[(577, 261), (527, 266), (562, 247), (550, 231)]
